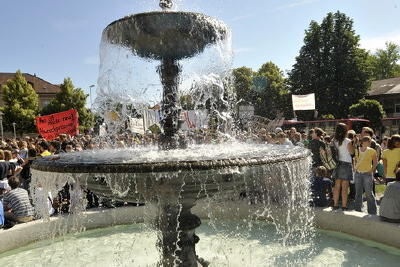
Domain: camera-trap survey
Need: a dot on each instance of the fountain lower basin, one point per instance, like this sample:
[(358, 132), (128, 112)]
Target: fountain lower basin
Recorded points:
[(173, 180), (107, 247)]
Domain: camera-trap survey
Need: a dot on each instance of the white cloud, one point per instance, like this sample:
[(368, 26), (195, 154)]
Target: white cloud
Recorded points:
[(242, 50), (378, 42), (297, 3), (93, 60), (241, 17)]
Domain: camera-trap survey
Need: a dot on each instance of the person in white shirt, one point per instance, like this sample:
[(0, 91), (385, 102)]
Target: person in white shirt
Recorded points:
[(343, 172)]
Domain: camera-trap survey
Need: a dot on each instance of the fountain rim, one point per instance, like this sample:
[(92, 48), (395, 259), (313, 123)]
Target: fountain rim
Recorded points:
[(48, 164), (172, 13)]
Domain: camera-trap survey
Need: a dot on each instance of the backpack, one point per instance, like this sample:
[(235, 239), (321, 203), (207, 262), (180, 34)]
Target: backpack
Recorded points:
[(329, 156)]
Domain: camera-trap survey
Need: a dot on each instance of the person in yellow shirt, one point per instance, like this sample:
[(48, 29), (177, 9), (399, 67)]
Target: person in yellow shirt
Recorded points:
[(365, 166), (391, 158), (44, 149)]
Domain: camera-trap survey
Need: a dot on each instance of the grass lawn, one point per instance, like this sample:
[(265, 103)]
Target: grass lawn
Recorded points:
[(380, 189)]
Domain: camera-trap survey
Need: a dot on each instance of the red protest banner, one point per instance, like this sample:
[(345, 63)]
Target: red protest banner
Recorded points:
[(51, 126)]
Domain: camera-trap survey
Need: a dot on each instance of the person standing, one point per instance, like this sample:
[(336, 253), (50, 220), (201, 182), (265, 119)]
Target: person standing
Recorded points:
[(391, 158), (315, 145), (366, 131), (365, 166), (343, 173)]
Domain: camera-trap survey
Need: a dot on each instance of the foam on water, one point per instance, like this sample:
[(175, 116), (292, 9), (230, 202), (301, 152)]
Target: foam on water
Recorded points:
[(229, 150)]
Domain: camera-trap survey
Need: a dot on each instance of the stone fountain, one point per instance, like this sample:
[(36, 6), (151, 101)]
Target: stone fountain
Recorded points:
[(172, 185)]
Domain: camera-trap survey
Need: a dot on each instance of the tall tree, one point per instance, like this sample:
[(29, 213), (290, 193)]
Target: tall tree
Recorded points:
[(332, 65), (70, 97), (385, 62), (20, 104)]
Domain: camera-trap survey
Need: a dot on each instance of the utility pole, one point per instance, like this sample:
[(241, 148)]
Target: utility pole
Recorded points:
[(1, 125), (15, 134)]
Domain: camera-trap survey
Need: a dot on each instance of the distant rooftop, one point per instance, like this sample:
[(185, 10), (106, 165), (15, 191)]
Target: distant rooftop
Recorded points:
[(385, 87), (41, 86)]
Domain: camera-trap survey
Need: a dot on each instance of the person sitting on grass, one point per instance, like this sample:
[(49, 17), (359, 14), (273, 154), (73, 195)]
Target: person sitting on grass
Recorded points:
[(16, 203), (321, 188), (390, 204)]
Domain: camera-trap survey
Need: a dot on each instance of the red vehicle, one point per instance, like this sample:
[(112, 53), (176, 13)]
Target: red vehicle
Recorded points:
[(327, 125)]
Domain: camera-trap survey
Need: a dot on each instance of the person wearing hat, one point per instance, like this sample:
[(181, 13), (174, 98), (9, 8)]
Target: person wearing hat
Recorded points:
[(278, 130), (4, 187)]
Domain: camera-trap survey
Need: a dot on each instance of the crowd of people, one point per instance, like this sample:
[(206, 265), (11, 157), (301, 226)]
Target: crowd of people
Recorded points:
[(348, 165), (345, 166)]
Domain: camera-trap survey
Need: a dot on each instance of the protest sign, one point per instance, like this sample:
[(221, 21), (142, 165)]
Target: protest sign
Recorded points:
[(51, 126), (303, 102)]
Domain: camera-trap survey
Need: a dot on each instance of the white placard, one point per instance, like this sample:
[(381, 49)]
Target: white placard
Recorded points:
[(303, 102)]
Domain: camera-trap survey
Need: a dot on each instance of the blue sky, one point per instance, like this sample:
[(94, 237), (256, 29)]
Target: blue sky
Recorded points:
[(57, 39)]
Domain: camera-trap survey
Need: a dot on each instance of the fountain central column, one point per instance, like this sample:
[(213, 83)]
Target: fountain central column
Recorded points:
[(176, 225), (169, 75)]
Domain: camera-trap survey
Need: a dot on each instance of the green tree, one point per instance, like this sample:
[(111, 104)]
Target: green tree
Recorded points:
[(328, 117), (270, 91), (70, 97), (384, 62), (332, 65), (243, 79), (20, 104), (369, 109)]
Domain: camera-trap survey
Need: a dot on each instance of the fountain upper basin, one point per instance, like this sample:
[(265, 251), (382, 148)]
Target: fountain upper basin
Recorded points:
[(165, 35)]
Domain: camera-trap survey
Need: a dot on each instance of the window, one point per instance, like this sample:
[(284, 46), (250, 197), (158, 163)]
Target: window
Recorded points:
[(397, 108)]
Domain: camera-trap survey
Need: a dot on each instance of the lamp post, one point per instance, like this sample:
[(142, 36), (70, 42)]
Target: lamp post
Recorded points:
[(1, 125), (15, 135), (90, 95)]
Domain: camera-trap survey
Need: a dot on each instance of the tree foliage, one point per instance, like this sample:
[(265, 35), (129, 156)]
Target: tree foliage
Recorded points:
[(385, 62), (243, 79), (70, 97), (369, 109), (332, 66), (265, 89), (271, 95), (20, 104)]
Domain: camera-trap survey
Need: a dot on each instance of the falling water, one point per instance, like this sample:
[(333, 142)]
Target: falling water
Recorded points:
[(159, 58), (232, 195)]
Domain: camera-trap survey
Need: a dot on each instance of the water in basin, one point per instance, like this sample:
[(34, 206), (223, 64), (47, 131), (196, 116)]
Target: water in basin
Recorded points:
[(228, 245)]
